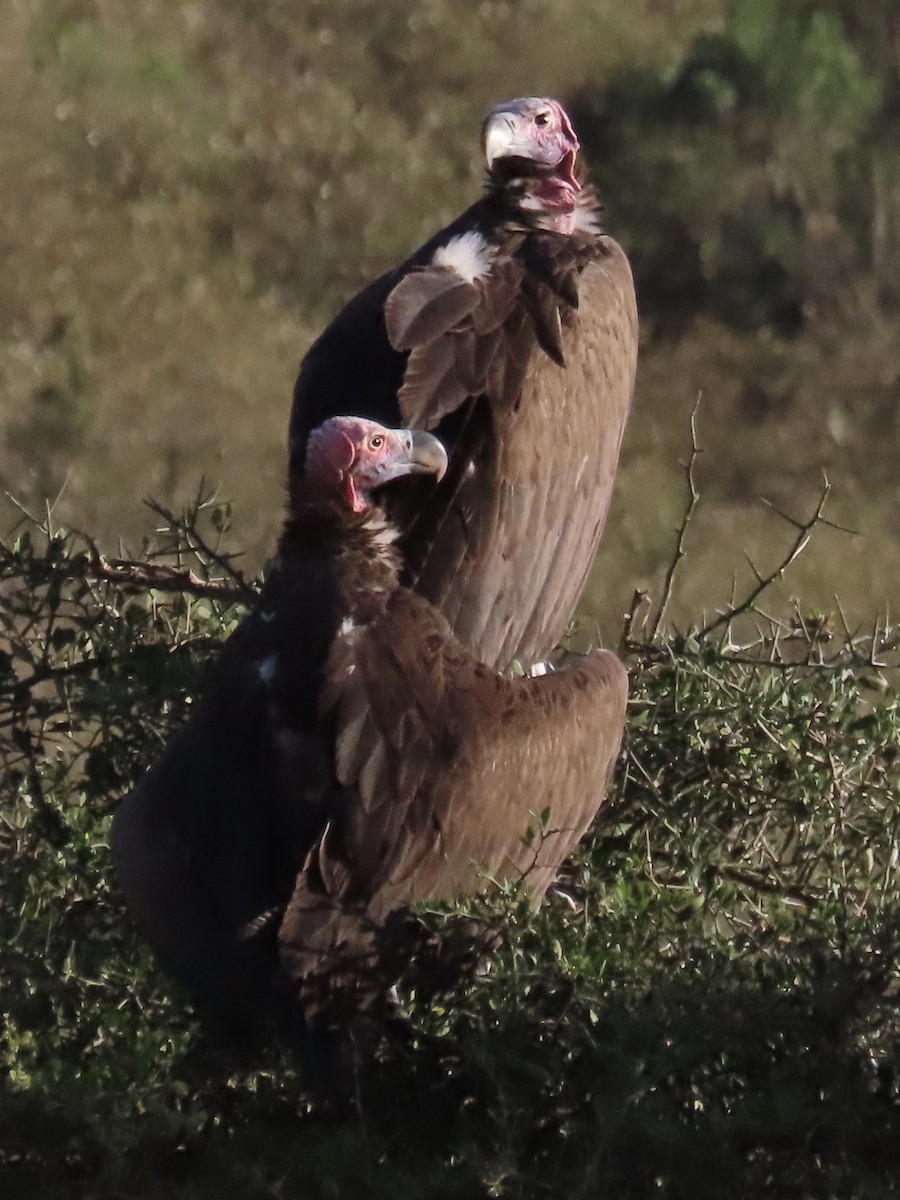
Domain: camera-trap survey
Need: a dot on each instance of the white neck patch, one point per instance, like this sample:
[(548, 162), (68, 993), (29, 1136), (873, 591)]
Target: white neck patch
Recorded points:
[(468, 254), (383, 532), (587, 219)]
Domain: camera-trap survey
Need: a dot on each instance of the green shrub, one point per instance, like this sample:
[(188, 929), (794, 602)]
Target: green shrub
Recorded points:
[(746, 174), (706, 1003)]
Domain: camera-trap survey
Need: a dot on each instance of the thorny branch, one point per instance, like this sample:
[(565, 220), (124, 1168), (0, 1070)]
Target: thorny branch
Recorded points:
[(694, 497), (639, 599), (776, 644), (134, 576), (74, 630), (801, 541), (186, 536)]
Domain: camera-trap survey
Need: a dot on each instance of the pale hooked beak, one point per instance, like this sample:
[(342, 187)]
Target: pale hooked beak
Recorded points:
[(500, 139), (417, 453), (426, 454)]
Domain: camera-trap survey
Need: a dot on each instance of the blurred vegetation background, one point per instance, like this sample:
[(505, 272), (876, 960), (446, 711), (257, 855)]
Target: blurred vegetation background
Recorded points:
[(705, 1006), (708, 1004), (189, 191)]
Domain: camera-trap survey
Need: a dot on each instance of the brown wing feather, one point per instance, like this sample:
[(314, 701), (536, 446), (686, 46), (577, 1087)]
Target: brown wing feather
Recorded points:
[(432, 386), (543, 309), (504, 548), (457, 765), (557, 452), (450, 328), (426, 304)]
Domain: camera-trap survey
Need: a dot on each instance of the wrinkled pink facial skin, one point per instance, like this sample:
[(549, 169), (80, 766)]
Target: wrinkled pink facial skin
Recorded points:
[(538, 131), (349, 456)]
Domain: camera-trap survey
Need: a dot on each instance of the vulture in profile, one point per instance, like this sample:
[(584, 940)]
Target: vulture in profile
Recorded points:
[(349, 757), (512, 335)]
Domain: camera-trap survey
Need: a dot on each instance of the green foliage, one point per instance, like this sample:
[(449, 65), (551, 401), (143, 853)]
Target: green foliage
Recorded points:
[(734, 169), (705, 1005)]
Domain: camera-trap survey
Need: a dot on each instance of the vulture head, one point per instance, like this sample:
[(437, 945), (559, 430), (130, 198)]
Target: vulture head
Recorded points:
[(531, 148), (347, 458)]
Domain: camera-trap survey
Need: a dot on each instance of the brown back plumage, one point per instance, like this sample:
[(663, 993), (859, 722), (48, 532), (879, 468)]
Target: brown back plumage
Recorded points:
[(517, 346), (505, 550)]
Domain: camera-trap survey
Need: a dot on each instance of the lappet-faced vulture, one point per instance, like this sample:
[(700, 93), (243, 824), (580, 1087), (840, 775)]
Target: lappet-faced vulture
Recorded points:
[(350, 756), (511, 334)]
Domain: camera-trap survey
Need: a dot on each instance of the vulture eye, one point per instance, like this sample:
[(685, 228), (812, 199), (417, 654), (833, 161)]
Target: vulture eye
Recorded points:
[(376, 441), (542, 118)]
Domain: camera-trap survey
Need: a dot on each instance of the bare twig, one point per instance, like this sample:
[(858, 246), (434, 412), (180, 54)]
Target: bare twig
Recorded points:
[(693, 498), (196, 543), (804, 531), (43, 673), (756, 881), (638, 600), (144, 576)]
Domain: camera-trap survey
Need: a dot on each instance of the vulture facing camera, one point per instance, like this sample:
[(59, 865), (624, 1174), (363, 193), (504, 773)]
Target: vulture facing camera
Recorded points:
[(350, 757), (512, 335)]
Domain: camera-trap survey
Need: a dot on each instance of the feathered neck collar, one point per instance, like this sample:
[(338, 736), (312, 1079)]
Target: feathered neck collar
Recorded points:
[(521, 211), (314, 519)]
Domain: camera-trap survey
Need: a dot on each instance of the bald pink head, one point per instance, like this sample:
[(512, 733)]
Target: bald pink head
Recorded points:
[(348, 457), (532, 138)]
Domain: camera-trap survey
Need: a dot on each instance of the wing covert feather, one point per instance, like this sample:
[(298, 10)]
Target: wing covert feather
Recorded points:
[(450, 747), (426, 304), (448, 796), (556, 379)]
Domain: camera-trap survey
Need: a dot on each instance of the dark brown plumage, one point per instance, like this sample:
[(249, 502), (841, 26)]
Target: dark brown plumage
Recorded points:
[(215, 834), (348, 758), (512, 334), (448, 769)]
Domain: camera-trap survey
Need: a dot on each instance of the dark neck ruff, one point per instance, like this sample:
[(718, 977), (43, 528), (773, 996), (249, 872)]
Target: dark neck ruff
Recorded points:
[(362, 547), (507, 197)]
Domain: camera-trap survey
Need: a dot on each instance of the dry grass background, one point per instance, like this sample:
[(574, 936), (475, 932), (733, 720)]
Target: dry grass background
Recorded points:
[(188, 192)]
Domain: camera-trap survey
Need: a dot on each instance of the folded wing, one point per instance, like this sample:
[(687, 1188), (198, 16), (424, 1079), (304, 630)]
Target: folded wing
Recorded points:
[(454, 778)]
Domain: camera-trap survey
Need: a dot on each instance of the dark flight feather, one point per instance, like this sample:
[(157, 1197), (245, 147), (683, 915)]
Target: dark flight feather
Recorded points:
[(448, 776)]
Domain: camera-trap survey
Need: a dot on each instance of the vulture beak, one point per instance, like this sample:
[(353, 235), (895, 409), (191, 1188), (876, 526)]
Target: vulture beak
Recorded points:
[(500, 138), (409, 452), (425, 454)]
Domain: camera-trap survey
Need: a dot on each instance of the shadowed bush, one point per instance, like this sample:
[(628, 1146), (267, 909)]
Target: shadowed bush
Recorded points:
[(706, 1002), (746, 173)]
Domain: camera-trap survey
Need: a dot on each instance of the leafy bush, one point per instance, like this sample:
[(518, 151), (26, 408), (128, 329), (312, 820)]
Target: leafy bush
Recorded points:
[(747, 174), (705, 1003)]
